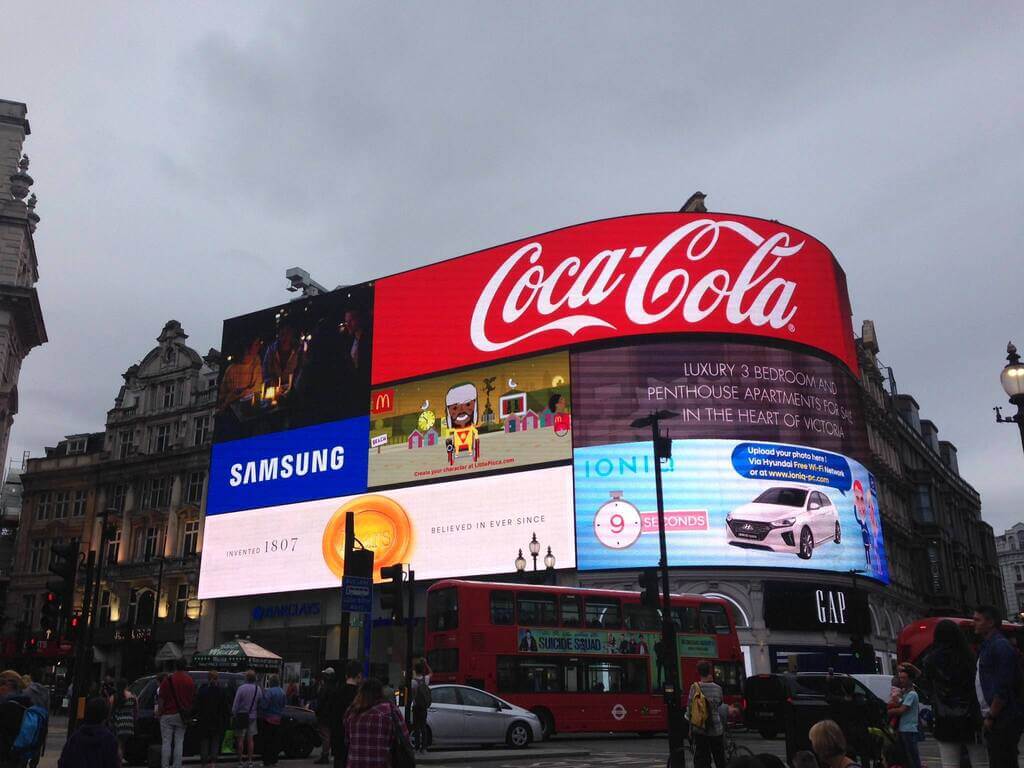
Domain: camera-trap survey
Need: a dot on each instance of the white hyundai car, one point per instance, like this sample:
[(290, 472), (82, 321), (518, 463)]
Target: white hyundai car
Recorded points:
[(785, 518)]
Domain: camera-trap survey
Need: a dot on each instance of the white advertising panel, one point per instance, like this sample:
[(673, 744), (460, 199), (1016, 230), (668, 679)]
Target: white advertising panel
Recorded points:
[(468, 527)]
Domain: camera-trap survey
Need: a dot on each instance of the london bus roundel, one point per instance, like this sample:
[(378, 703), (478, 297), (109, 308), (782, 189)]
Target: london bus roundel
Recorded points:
[(617, 523)]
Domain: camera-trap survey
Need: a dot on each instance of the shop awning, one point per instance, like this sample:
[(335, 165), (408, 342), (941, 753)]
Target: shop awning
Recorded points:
[(237, 655)]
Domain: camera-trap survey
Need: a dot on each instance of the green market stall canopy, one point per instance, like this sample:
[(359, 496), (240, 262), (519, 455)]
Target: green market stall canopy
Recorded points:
[(236, 656)]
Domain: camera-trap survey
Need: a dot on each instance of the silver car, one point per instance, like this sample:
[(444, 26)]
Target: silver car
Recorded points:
[(460, 714)]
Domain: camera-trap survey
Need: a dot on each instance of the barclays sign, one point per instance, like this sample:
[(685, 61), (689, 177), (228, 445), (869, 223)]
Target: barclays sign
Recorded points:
[(285, 611)]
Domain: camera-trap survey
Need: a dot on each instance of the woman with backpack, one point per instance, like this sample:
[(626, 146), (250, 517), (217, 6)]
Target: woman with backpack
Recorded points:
[(949, 673), (124, 711)]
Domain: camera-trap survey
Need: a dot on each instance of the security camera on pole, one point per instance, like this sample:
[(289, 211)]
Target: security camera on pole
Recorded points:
[(669, 654)]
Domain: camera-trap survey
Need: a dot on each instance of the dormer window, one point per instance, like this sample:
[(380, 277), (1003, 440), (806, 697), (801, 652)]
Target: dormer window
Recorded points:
[(76, 446)]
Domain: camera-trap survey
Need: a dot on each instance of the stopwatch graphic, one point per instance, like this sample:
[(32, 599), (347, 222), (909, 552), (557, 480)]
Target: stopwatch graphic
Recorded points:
[(617, 523)]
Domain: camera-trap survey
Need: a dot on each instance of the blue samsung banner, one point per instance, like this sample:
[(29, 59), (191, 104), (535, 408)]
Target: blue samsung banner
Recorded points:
[(287, 467)]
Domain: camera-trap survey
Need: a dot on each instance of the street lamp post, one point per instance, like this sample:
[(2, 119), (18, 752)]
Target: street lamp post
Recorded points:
[(1012, 379), (669, 653), (534, 549), (520, 562)]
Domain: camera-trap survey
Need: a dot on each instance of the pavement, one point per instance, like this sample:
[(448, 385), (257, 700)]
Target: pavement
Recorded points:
[(586, 751)]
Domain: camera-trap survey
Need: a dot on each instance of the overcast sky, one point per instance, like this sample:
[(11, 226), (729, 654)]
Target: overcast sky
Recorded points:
[(185, 156)]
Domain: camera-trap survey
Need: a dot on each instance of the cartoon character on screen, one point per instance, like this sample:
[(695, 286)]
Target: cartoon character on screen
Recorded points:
[(462, 438), (874, 520), (860, 510), (560, 420)]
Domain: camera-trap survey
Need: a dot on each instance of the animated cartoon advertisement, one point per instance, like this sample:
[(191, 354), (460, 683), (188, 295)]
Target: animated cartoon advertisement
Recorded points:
[(504, 416)]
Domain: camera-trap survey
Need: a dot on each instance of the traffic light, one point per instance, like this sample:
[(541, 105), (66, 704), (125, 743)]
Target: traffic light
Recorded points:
[(71, 633), (392, 591), (64, 565), (649, 583), (49, 613)]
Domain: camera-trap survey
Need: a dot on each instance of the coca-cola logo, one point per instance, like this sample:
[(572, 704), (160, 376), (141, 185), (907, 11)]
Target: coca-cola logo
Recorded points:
[(644, 283)]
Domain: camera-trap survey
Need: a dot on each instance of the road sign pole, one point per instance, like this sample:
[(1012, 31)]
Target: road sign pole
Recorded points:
[(346, 618), (410, 618)]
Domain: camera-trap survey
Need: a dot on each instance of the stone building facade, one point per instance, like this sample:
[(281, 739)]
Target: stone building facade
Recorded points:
[(1010, 551), (21, 318), (146, 474)]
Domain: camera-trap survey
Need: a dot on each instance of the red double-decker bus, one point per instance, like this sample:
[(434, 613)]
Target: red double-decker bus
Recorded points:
[(918, 636), (583, 660)]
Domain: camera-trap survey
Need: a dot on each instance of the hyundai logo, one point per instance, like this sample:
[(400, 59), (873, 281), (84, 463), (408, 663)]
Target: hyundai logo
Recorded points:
[(748, 527)]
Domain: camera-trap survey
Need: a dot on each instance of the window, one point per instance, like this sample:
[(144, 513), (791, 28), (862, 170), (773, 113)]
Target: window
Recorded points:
[(45, 506), (685, 618), (442, 694), (604, 612), (117, 497), (76, 446), (60, 505), (170, 389), (194, 489), (78, 505), (202, 431), (442, 609), (28, 610), (147, 543), (537, 609), (1017, 571), (617, 677), (474, 698), (157, 492), (569, 608), (190, 538), (713, 619), (923, 504), (503, 609), (37, 555), (444, 660), (114, 547), (181, 603), (105, 600), (641, 617), (161, 438), (125, 443)]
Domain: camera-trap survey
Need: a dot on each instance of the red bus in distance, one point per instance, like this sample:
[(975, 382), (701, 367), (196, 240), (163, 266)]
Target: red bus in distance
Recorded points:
[(583, 660), (918, 636)]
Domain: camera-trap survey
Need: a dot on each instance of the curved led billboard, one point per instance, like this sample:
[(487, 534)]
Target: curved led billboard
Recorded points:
[(495, 406)]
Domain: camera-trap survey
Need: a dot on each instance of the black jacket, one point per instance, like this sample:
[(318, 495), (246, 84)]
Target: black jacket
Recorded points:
[(212, 707), (91, 746)]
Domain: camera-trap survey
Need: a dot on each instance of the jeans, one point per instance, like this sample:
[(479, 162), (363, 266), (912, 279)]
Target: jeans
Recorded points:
[(949, 753), (909, 741), (209, 746), (1002, 742), (172, 736), (707, 747)]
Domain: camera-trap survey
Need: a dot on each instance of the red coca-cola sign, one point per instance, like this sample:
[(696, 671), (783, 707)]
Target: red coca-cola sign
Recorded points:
[(630, 276)]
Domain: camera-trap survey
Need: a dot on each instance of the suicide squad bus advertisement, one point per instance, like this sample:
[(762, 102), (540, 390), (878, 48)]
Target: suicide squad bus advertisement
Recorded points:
[(728, 502), (469, 527), (508, 415)]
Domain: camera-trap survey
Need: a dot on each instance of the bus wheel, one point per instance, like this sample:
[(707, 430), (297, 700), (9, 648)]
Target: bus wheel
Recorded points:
[(547, 723)]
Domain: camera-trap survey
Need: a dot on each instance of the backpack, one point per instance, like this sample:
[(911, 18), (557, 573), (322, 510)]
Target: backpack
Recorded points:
[(698, 707), (31, 733), (422, 699)]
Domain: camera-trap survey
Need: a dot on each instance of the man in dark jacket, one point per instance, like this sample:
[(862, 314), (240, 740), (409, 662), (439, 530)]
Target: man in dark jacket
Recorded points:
[(93, 745), (212, 713), (998, 685), (346, 695), (325, 700)]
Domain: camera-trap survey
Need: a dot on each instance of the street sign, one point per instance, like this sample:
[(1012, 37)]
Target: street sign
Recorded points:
[(357, 594)]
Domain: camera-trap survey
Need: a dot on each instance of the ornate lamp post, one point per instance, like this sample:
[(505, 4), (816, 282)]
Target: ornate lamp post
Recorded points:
[(520, 562), (549, 560), (1012, 379), (534, 550)]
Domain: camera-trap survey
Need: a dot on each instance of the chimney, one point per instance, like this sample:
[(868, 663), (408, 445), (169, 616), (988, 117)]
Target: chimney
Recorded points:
[(868, 337), (930, 433), (948, 452), (910, 411)]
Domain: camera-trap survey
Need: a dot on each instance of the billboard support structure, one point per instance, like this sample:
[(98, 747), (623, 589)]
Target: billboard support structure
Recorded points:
[(669, 652)]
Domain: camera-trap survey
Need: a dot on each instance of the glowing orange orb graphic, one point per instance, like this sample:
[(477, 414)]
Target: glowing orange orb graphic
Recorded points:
[(382, 526)]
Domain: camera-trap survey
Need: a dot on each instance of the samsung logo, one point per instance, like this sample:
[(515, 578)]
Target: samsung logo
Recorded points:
[(297, 464)]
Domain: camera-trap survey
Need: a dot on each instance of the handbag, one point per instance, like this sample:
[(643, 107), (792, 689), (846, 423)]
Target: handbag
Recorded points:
[(402, 753), (240, 720)]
